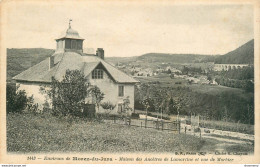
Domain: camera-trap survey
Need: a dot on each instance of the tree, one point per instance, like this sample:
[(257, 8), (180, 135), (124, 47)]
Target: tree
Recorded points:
[(31, 105), (147, 101), (126, 103), (97, 95), (126, 108), (159, 96), (68, 96), (249, 86), (172, 107), (16, 100)]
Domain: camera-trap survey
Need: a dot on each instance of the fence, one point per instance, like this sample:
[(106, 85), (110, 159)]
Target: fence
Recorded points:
[(147, 123)]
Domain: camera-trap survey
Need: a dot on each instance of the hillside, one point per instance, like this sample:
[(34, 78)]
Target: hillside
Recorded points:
[(242, 55), (151, 59), (19, 60), (176, 58), (115, 60)]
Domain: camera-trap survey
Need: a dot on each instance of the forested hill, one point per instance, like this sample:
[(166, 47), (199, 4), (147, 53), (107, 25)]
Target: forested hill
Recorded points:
[(242, 55), (19, 60), (176, 58)]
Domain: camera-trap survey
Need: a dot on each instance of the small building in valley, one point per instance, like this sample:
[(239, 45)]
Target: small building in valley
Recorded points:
[(115, 84)]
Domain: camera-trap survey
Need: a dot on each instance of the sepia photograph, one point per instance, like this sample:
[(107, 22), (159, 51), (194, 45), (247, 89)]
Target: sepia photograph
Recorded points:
[(129, 82)]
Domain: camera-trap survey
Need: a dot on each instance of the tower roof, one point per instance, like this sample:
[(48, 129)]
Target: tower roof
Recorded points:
[(70, 33)]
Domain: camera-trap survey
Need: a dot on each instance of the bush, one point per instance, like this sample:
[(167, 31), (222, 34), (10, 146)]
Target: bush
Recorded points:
[(89, 110), (108, 106), (16, 100), (135, 116)]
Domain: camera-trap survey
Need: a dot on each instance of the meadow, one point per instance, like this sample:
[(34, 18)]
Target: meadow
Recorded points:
[(44, 133)]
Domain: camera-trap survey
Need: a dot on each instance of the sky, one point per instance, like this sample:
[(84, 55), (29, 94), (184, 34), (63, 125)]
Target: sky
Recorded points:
[(127, 28)]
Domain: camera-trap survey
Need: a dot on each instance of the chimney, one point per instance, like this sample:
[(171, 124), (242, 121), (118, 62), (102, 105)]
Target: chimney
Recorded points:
[(51, 62), (100, 53)]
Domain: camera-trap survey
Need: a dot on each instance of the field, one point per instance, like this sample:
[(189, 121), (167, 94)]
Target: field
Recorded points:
[(166, 81), (44, 133), (27, 133)]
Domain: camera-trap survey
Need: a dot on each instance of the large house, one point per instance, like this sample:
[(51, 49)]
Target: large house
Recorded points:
[(115, 84)]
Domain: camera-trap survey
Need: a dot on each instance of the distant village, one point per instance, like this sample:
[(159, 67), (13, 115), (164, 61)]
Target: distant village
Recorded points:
[(176, 70)]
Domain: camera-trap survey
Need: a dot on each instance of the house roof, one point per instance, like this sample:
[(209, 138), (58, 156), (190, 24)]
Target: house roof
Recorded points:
[(72, 61)]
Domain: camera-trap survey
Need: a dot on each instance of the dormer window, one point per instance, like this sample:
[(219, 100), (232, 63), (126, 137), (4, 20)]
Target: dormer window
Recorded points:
[(97, 74)]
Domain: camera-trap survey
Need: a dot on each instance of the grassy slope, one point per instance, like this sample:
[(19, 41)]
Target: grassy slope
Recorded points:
[(27, 133), (43, 133)]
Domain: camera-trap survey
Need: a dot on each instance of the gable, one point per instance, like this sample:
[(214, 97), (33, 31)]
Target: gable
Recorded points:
[(102, 67)]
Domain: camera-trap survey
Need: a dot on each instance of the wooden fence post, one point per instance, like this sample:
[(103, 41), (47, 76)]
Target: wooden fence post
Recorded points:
[(200, 134), (145, 123), (129, 121), (157, 124), (179, 126), (146, 118), (162, 125)]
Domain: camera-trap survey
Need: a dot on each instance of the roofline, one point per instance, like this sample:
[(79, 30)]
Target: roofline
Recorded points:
[(69, 38), (128, 82), (20, 80)]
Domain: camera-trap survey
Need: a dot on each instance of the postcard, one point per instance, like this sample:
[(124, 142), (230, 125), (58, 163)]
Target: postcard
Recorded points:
[(129, 82)]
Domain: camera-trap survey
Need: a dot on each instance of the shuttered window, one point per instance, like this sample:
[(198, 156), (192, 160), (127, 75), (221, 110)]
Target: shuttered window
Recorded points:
[(120, 90)]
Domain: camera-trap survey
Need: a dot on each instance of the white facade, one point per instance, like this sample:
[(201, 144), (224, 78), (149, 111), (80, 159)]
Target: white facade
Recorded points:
[(111, 91), (106, 85), (33, 89)]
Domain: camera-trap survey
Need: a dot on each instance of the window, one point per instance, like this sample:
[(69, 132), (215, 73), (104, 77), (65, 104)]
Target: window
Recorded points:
[(121, 91), (73, 44), (79, 44), (97, 74)]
